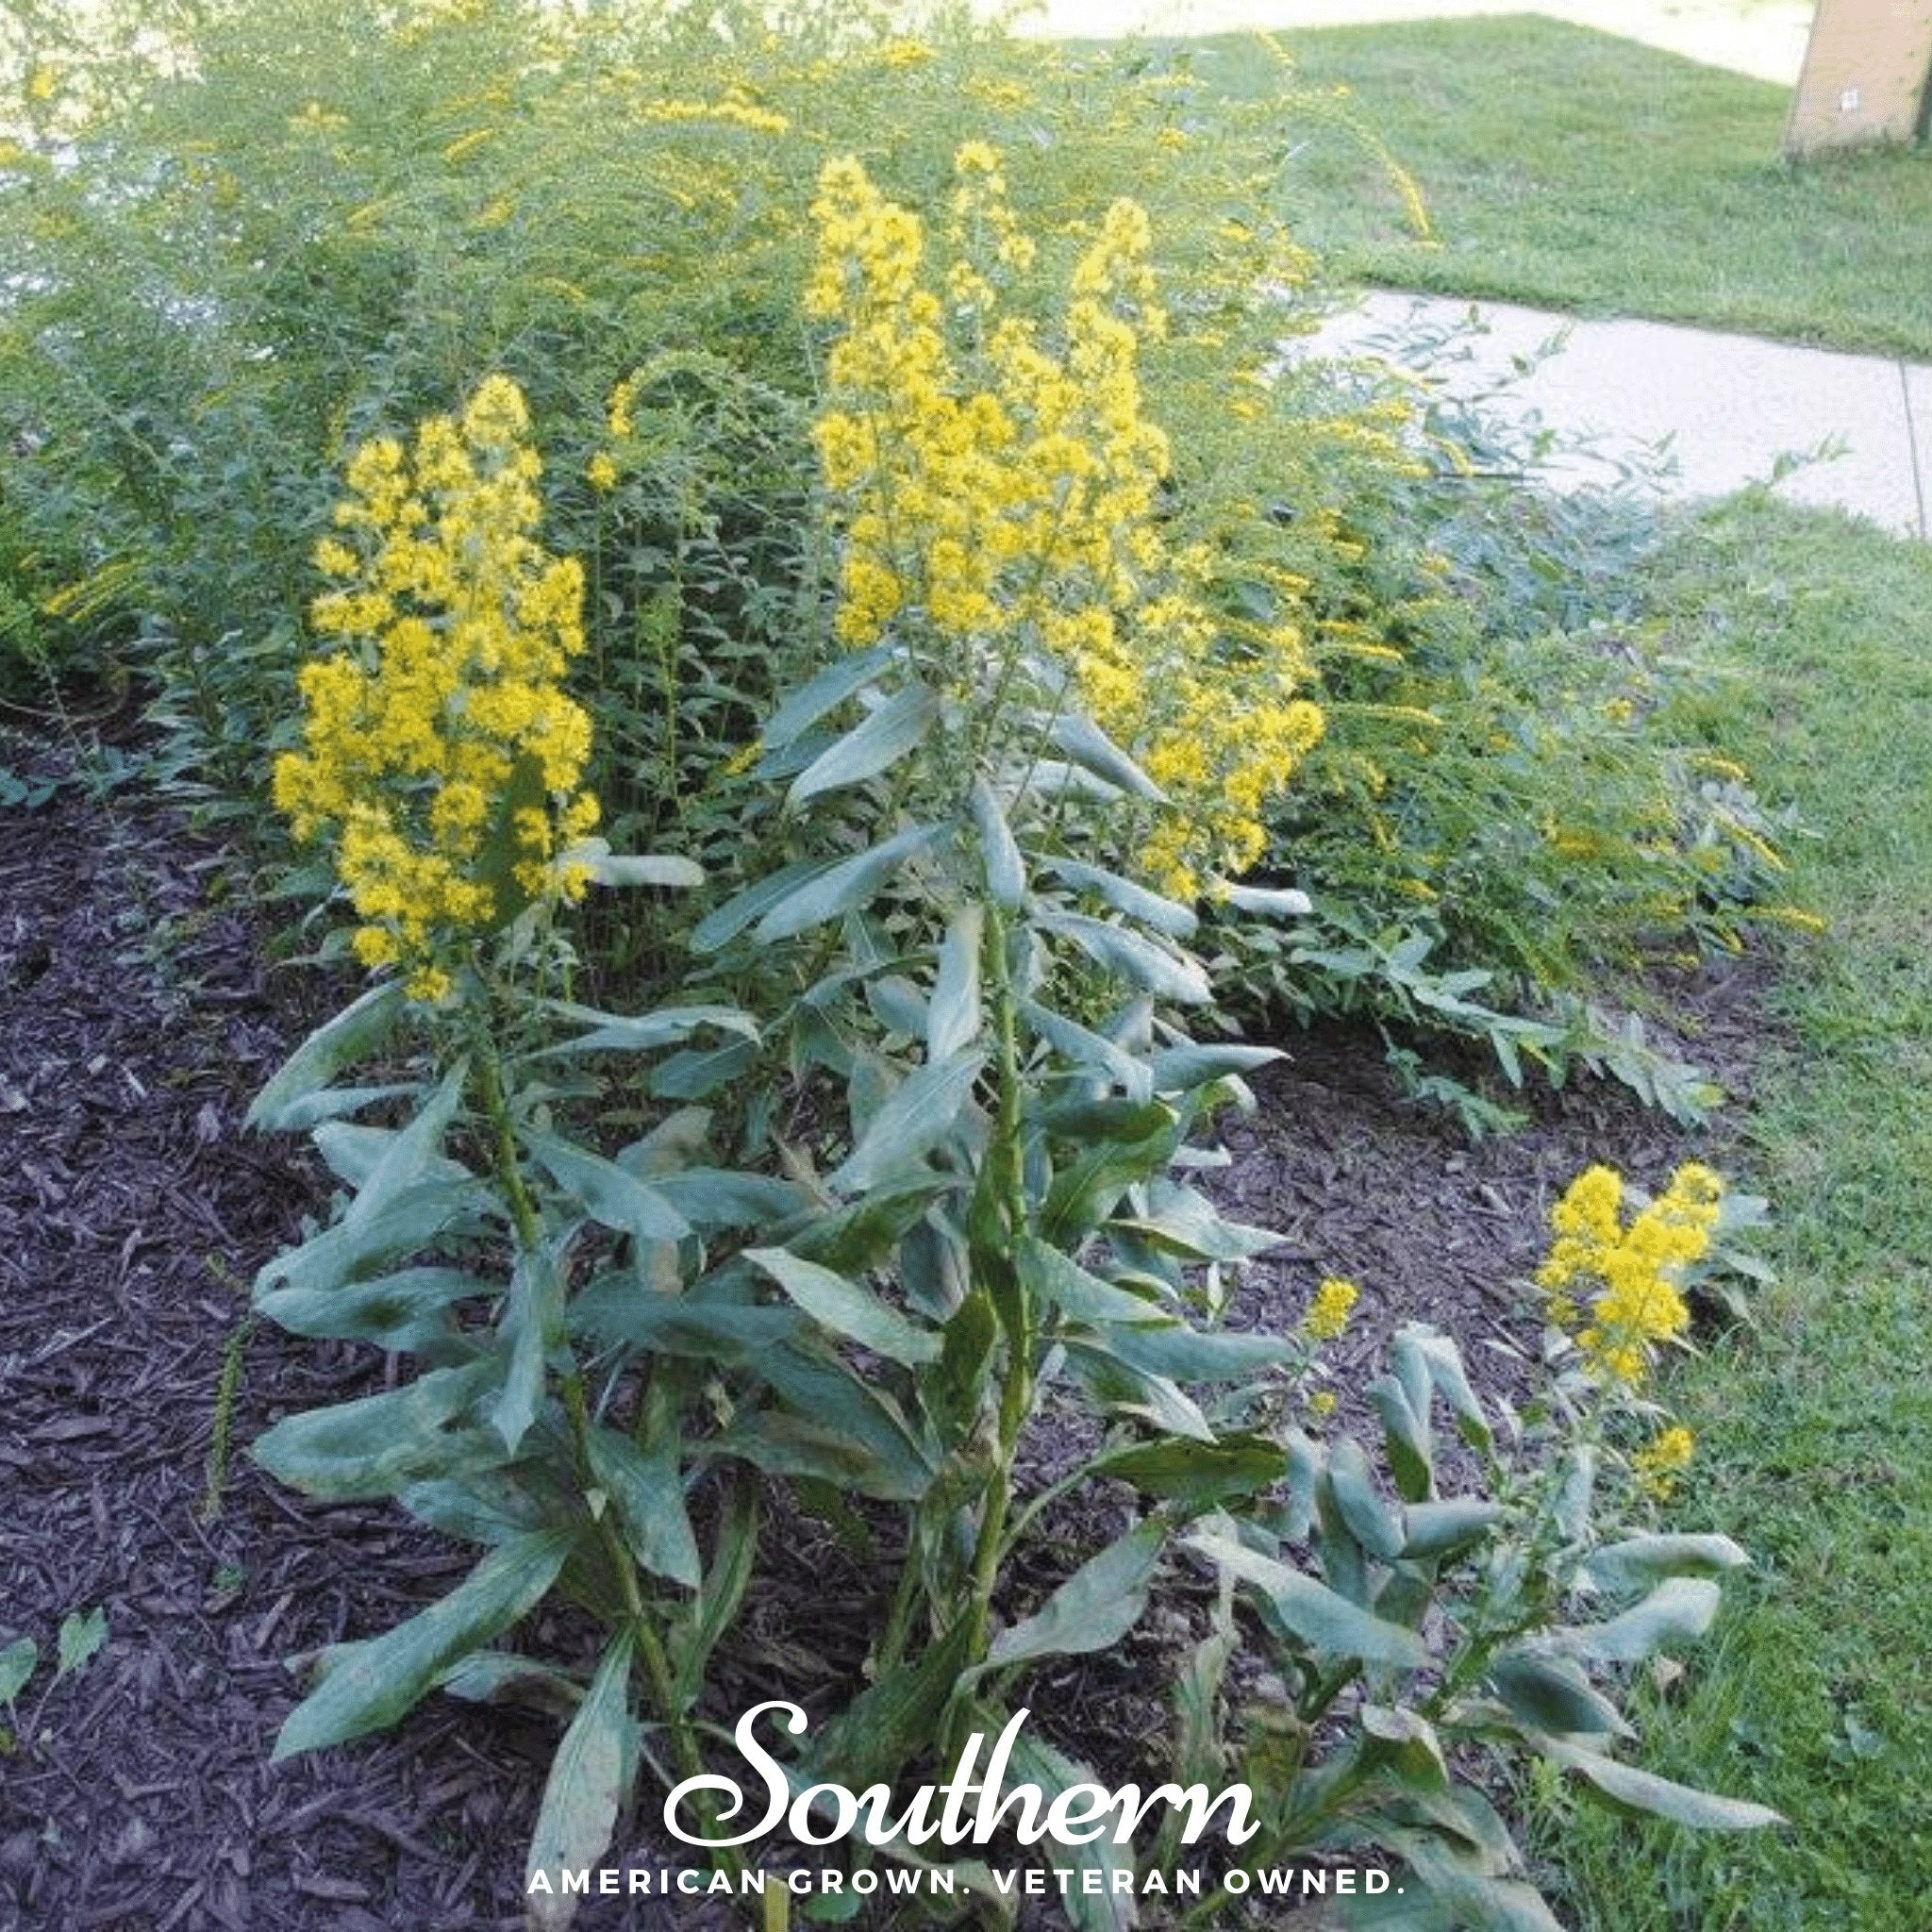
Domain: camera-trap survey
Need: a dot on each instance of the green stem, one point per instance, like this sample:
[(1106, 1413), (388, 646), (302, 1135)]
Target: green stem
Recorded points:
[(650, 1644)]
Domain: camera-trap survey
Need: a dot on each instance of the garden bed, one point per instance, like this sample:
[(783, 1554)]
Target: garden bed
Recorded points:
[(136, 1019)]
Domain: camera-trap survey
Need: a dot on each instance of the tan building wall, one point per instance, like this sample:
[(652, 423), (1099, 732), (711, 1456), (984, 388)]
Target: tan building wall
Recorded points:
[(1865, 74)]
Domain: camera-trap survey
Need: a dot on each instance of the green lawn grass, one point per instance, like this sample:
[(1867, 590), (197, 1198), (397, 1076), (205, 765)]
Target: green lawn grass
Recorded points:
[(1816, 1431), (1572, 168)]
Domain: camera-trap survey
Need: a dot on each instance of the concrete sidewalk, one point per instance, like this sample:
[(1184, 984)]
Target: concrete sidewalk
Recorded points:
[(1725, 407)]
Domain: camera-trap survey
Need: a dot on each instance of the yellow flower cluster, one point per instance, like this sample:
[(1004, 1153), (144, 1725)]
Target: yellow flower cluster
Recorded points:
[(1616, 1287), (1000, 490), (1329, 1311), (439, 747), (1663, 1460)]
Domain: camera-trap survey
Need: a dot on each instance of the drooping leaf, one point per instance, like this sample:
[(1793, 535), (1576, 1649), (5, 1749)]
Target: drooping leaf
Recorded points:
[(1202, 1475), (1094, 1607), (1439, 1529), (378, 1680), (1641, 1559), (403, 1312), (353, 1033), (1087, 745), (375, 1446), (1552, 1693), (1133, 957), (1678, 1610), (845, 677), (649, 1500), (639, 1032), (1081, 1296), (1124, 895), (1005, 871), (1631, 1789), (590, 1779), (1325, 1620), (610, 1195), (848, 1309)]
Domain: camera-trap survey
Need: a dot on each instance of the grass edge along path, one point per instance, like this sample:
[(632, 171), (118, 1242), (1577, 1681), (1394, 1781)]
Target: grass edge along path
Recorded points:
[(1570, 169), (1815, 1433)]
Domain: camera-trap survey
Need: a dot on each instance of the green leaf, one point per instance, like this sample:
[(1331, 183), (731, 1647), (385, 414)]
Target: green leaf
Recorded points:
[(649, 1500), (714, 1197), (620, 1307), (412, 1155), (378, 1680), (921, 1111), (1094, 1609), (1202, 1475), (899, 726), (1094, 750), (842, 679), (1679, 1609), (640, 869), (850, 883), (1194, 1354), (1149, 908), (1641, 1559), (612, 1196), (639, 1032), (411, 1222), (1078, 1295), (1373, 1522), (1552, 1693), (379, 1443), (1439, 1529), (17, 1663), (1005, 871), (1121, 1390), (532, 1325), (589, 1780), (1406, 1436), (1269, 902), (725, 923), (357, 1031), (501, 1677), (1633, 1790), (1331, 1626), (734, 1553), (953, 1017), (81, 1634), (848, 1309), (1036, 1763), (1185, 1069), (403, 1312), (1131, 956), (1092, 1051), (699, 1072), (860, 1427), (1403, 1745)]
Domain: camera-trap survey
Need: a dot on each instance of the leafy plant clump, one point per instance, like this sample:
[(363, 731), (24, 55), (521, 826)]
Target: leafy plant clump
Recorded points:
[(891, 1170), (234, 265)]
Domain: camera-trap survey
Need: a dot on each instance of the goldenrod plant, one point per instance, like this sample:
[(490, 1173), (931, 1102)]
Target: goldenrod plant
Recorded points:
[(900, 1162)]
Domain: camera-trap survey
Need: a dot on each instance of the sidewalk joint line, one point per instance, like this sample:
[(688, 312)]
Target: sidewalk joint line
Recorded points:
[(1905, 390)]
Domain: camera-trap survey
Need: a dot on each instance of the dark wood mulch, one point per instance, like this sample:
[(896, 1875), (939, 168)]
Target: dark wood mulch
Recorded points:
[(136, 1020)]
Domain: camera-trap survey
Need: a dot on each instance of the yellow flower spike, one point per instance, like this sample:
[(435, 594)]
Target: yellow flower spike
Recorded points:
[(1661, 1461), (408, 750), (1329, 1313)]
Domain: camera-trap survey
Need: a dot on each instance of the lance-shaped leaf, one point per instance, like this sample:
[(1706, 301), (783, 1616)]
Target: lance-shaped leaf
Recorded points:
[(607, 868), (848, 1309), (612, 1196), (590, 1779), (372, 1684), (999, 855), (411, 1155), (403, 1312), (1323, 1619), (919, 1113), (1087, 745), (841, 888), (842, 679), (1268, 902), (1094, 1609), (899, 726), (1202, 1475), (649, 1500), (357, 1030), (1149, 908), (1132, 956), (374, 1445), (1108, 1907), (1678, 1610), (1641, 1559), (1552, 1693), (953, 1015), (1630, 1789), (532, 1325), (639, 1032)]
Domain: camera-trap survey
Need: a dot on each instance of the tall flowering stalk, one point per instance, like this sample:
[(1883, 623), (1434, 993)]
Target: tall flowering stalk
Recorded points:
[(1001, 486)]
